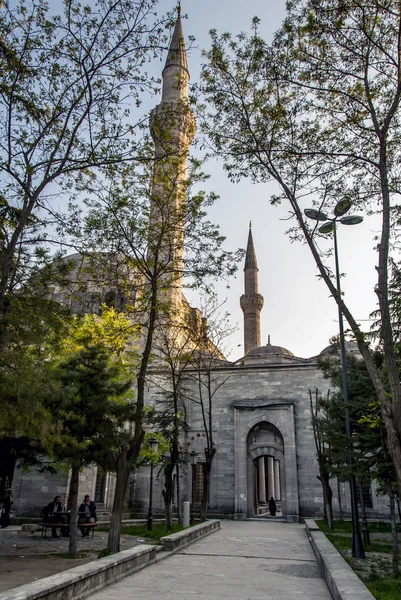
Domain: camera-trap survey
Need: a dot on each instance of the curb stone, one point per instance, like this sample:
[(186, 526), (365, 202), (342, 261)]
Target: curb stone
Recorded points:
[(341, 580)]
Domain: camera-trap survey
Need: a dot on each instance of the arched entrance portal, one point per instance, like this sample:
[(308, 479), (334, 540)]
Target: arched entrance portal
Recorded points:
[(265, 450)]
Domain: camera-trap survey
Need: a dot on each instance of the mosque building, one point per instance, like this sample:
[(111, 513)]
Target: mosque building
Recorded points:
[(262, 427)]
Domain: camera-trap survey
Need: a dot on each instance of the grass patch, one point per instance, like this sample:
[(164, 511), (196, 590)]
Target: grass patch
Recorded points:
[(346, 527), (375, 572), (342, 542), (379, 547), (389, 589), (158, 531)]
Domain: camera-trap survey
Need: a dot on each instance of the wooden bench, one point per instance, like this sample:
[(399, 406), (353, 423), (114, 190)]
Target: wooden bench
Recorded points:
[(89, 526), (45, 527)]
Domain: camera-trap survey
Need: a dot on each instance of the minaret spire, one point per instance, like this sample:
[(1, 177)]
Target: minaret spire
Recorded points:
[(251, 302), (172, 125), (175, 73)]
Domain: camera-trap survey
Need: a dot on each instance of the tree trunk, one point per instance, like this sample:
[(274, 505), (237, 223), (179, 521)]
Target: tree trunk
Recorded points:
[(206, 467), (393, 531), (327, 494), (73, 505), (340, 504), (210, 453), (122, 475), (168, 493), (365, 528), (179, 512)]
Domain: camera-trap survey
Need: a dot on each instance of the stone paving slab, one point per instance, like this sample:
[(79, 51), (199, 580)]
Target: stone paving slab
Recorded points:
[(242, 561)]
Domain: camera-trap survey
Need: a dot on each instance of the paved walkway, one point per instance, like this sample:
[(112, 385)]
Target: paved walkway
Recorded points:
[(243, 561)]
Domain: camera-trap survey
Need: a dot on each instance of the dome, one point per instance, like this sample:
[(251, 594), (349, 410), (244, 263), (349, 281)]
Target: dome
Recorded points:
[(269, 349), (268, 354), (350, 348)]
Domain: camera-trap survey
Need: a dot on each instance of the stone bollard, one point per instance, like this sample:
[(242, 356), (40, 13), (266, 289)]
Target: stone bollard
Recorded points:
[(185, 516)]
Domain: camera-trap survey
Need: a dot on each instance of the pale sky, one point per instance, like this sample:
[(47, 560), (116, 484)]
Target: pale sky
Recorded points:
[(298, 312)]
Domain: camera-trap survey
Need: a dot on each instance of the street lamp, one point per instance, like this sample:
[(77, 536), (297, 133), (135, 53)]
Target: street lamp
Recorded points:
[(330, 225), (153, 445), (193, 456)]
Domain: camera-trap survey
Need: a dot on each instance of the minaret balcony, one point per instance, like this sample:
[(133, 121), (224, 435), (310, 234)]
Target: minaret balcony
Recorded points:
[(173, 122), (254, 302)]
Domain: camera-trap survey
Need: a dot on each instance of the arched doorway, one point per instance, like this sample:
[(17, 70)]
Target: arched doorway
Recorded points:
[(265, 450)]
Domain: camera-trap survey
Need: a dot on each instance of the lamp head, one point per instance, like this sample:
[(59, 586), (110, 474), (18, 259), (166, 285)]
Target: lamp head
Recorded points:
[(153, 444), (327, 227), (351, 220), (343, 206), (316, 215), (193, 455)]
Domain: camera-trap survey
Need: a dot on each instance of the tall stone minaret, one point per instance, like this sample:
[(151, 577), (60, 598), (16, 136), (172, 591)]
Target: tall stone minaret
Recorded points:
[(251, 302), (172, 126)]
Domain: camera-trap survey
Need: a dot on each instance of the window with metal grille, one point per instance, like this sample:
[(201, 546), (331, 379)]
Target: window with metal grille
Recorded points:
[(198, 488), (367, 495)]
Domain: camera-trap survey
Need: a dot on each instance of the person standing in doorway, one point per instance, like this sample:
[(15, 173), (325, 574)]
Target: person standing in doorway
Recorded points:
[(272, 507)]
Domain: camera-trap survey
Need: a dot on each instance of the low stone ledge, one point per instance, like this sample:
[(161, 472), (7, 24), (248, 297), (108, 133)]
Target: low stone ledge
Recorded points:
[(341, 580), (79, 582), (183, 538), (311, 525)]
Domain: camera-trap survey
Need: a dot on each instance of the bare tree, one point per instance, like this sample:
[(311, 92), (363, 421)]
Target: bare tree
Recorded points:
[(208, 375), (321, 452)]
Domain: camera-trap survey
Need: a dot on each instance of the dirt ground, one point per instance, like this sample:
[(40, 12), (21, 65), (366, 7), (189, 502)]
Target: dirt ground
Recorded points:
[(24, 559)]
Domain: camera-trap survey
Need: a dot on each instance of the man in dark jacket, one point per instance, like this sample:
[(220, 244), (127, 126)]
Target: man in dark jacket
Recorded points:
[(52, 513), (87, 514)]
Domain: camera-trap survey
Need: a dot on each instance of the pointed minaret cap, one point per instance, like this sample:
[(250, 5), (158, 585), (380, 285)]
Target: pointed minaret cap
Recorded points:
[(250, 258), (177, 55)]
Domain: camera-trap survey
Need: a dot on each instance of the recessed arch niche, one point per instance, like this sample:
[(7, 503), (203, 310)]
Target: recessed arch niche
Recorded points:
[(265, 429), (265, 451)]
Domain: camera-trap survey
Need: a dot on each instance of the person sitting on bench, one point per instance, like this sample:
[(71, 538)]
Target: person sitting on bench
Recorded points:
[(87, 514), (52, 514)]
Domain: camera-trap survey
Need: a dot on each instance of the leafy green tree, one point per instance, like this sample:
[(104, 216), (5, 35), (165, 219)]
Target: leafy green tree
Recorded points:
[(366, 441), (318, 112), (91, 400), (24, 379), (67, 81), (67, 399), (371, 458)]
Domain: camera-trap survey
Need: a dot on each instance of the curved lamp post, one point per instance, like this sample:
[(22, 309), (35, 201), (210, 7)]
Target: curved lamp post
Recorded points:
[(330, 225), (153, 445)]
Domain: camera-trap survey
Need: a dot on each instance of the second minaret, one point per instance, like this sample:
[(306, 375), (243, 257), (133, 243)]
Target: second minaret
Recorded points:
[(251, 302)]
